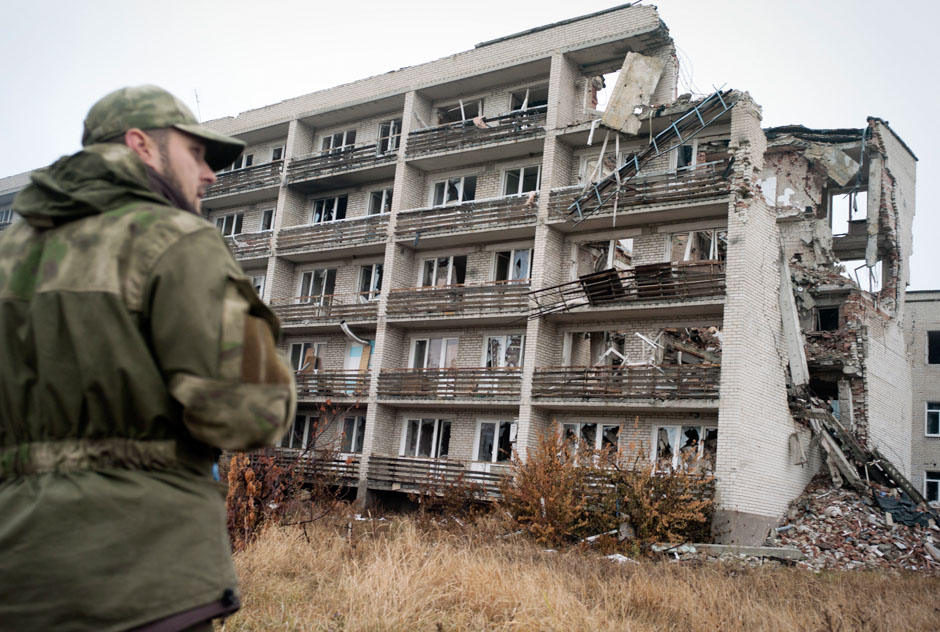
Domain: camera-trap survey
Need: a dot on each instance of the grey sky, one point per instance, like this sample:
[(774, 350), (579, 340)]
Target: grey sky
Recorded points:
[(822, 63)]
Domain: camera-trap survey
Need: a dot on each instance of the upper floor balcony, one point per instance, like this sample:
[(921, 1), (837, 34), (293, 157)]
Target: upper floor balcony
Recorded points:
[(244, 182), (490, 302), (356, 163), (483, 385), (329, 309), (512, 216), (685, 193), (247, 246), (332, 385), (356, 235)]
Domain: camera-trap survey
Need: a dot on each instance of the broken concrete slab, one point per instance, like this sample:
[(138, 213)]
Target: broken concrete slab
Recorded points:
[(838, 165), (779, 553), (638, 78)]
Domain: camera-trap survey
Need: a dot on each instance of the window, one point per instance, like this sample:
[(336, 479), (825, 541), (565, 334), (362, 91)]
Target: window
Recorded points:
[(592, 436), (258, 283), (6, 216), (512, 265), (354, 432), (455, 190), (933, 347), (370, 282), (316, 286), (494, 441), (277, 153), (302, 434), (699, 245), (230, 224), (267, 219), (443, 271), (687, 155), (827, 318), (503, 351), (684, 446), (932, 428), (328, 209), (380, 201), (389, 136), (245, 160), (529, 98), (522, 180), (307, 356), (434, 353), (339, 141), (932, 486), (426, 438), (461, 111)]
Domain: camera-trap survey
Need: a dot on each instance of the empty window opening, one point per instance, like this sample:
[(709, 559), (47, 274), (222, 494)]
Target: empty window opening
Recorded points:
[(302, 434), (258, 283), (316, 286), (601, 87), (868, 279), (460, 111), (307, 357), (594, 256), (504, 351), (380, 201), (686, 156), (932, 426), (443, 271), (529, 98), (354, 432), (685, 447), (932, 486), (277, 153), (699, 245), (370, 282), (339, 141), (328, 209), (933, 347), (848, 213), (827, 318), (429, 438), (494, 441), (434, 353), (455, 190), (267, 219), (389, 136), (512, 265), (230, 224)]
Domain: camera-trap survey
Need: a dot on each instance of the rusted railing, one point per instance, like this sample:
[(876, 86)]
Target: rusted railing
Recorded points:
[(312, 465), (419, 474), (606, 383), (493, 213), (249, 245), (332, 384), (446, 384), (339, 234), (462, 134), (257, 177), (702, 181), (336, 160), (459, 300), (652, 282), (301, 310)]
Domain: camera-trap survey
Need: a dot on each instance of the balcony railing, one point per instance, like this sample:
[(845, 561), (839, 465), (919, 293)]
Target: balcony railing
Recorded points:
[(447, 384), (332, 384), (313, 465), (496, 297), (4, 225), (491, 213), (417, 474), (342, 233), (257, 177), (652, 282), (335, 160), (302, 310), (463, 134), (249, 245), (703, 181), (607, 383)]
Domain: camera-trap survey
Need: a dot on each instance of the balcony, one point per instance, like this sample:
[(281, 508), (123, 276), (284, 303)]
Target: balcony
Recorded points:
[(617, 383), (514, 127), (327, 467), (504, 215), (250, 245), (364, 234), (332, 384), (474, 384), (5, 225), (253, 178), (490, 302), (342, 160), (418, 475), (646, 284), (688, 187), (326, 309), (833, 349)]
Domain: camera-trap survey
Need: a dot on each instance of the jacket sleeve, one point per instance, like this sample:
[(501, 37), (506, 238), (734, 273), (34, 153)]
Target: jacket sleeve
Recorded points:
[(215, 342)]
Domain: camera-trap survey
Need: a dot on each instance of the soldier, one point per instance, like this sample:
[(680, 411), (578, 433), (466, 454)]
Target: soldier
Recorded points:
[(132, 349)]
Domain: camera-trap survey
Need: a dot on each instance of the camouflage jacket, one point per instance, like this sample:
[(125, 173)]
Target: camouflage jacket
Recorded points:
[(132, 348)]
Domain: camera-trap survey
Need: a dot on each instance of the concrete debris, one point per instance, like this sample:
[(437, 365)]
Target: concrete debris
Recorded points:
[(838, 165), (692, 345), (638, 78), (621, 559)]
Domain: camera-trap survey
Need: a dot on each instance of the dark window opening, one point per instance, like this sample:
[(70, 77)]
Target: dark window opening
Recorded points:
[(827, 319), (933, 347)]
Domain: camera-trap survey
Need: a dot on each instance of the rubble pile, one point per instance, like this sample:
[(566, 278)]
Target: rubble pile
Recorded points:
[(839, 529)]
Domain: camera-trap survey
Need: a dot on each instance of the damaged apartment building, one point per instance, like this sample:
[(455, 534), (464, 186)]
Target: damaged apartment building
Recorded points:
[(468, 253)]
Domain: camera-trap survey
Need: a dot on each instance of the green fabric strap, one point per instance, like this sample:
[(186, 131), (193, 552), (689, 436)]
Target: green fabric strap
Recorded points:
[(83, 455)]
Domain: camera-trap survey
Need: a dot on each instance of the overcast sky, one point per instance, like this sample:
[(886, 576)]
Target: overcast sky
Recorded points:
[(821, 63)]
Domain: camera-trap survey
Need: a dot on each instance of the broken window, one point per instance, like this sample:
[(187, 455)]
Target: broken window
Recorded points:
[(455, 190), (460, 111), (267, 219), (245, 160), (504, 351), (354, 432), (933, 347), (380, 201), (601, 87), (595, 256), (522, 180), (827, 318), (302, 433), (328, 209), (676, 447), (933, 419), (494, 441), (512, 265), (848, 212), (687, 155), (591, 436), (932, 486), (307, 356), (389, 136), (428, 438), (339, 141), (316, 286), (528, 98), (434, 353), (867, 278), (258, 283), (370, 282), (230, 224), (443, 271), (277, 153), (699, 245)]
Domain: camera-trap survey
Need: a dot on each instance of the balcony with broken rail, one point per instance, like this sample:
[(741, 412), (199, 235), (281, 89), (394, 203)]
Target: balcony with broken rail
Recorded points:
[(708, 180), (326, 308), (473, 384), (488, 214), (318, 385), (411, 474), (670, 281), (494, 297), (267, 174), (614, 383), (343, 233), (332, 161), (464, 134), (251, 245)]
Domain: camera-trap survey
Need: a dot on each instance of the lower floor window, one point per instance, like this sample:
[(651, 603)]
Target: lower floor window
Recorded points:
[(302, 433), (426, 437), (932, 486), (354, 430), (592, 436), (494, 441), (683, 446)]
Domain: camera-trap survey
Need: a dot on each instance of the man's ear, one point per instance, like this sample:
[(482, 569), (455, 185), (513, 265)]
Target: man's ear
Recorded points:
[(144, 146)]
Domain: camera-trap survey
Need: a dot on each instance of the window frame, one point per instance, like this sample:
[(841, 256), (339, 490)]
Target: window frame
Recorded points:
[(931, 409), (255, 284), (927, 345), (375, 291), (267, 214), (441, 111), (504, 179), (309, 424), (274, 150), (446, 342), (677, 449), (316, 299), (598, 436), (393, 138), (462, 189), (932, 477), (238, 222), (436, 437), (504, 347), (7, 215), (346, 142), (512, 257), (337, 201), (358, 434), (451, 270), (690, 237), (304, 345), (385, 201), (512, 428)]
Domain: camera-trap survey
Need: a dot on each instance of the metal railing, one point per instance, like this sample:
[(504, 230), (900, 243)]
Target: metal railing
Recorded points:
[(332, 384), (256, 177), (300, 310), (342, 233), (335, 160), (493, 213), (459, 300), (462, 134), (247, 245), (419, 474), (606, 383), (448, 384)]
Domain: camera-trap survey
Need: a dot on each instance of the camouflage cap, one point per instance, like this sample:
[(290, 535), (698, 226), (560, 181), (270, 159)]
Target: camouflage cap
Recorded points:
[(152, 107)]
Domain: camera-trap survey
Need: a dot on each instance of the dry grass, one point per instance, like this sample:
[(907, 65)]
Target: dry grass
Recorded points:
[(401, 575)]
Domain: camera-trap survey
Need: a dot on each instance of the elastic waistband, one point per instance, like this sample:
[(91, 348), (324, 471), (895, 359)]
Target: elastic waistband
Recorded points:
[(76, 455)]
